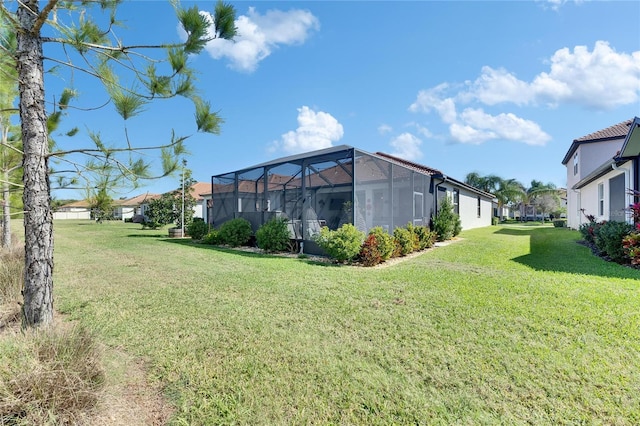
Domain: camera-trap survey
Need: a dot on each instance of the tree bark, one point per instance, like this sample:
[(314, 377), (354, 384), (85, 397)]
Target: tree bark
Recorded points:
[(38, 219), (6, 213)]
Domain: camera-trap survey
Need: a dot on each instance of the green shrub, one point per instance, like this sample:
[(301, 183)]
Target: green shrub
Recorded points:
[(560, 223), (370, 254), (197, 228), (342, 244), (212, 238), (414, 237), (588, 231), (609, 238), (273, 236), (404, 241), (457, 225), (446, 224), (235, 232), (385, 242), (495, 220), (426, 238)]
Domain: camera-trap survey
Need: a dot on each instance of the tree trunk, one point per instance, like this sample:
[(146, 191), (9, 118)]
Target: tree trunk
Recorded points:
[(6, 213), (38, 219)]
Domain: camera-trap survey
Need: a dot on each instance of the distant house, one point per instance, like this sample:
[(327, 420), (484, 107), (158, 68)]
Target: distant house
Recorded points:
[(200, 191), (76, 210), (135, 206), (602, 168), (339, 185)]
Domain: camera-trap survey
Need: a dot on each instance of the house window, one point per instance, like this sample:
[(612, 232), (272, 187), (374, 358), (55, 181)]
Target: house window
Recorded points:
[(456, 201), (575, 164), (479, 207), (601, 199)]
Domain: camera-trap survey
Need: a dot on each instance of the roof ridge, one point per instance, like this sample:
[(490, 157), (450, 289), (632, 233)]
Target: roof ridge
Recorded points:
[(615, 131)]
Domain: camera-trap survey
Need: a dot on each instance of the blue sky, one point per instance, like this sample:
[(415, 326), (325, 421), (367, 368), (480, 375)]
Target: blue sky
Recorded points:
[(492, 87)]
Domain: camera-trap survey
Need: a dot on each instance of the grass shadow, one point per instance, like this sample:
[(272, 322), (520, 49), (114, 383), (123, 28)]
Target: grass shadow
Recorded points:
[(237, 252), (558, 250)]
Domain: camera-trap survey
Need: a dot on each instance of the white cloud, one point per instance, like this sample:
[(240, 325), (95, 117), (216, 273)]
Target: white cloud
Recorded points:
[(384, 128), (406, 146), (431, 100), (497, 86), (557, 4), (316, 130), (600, 79), (502, 126), (258, 35)]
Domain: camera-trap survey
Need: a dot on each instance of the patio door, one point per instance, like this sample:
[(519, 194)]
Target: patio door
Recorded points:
[(418, 208)]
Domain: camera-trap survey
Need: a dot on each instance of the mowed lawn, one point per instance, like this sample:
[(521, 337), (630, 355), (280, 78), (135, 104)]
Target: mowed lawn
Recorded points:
[(512, 324)]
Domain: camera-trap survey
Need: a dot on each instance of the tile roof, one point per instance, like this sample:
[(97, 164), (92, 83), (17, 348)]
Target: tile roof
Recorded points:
[(137, 200), (414, 166), (616, 131), (79, 203), (200, 188)]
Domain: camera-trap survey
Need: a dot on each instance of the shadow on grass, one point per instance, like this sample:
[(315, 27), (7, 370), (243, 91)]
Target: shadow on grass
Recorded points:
[(557, 250), (163, 235), (250, 254)]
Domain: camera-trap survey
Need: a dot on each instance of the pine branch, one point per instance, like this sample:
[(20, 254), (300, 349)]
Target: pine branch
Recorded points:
[(42, 17)]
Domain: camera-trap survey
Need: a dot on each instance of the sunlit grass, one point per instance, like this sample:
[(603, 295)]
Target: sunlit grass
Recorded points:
[(509, 325)]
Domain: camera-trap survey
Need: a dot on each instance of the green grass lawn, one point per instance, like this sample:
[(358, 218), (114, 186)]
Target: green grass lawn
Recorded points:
[(513, 324)]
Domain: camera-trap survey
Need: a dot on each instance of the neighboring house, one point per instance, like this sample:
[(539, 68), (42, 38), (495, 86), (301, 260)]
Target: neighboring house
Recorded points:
[(602, 168), (341, 185), (200, 190), (76, 210), (135, 206)]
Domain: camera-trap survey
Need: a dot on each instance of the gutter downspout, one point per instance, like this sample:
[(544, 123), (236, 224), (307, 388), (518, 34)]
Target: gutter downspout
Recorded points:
[(443, 179)]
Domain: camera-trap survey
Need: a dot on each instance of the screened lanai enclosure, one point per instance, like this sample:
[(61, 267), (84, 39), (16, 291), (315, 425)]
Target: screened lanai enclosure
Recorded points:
[(329, 187)]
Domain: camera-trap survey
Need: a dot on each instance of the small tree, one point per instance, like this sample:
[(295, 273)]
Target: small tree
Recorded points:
[(445, 224), (97, 51), (161, 212)]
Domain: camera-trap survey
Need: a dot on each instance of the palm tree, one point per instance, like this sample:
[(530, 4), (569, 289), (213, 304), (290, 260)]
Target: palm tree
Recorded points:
[(489, 183), (509, 192), (536, 194)]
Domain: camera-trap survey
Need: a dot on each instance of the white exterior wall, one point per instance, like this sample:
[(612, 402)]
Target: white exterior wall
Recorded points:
[(468, 208), (198, 210), (588, 195), (125, 212), (590, 156), (74, 214)]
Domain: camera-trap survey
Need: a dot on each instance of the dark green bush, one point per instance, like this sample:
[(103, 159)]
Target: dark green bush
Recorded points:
[(273, 236), (560, 223), (235, 232), (609, 238), (197, 228), (370, 254), (446, 224), (457, 225), (342, 244), (495, 220), (385, 242), (212, 238), (404, 240)]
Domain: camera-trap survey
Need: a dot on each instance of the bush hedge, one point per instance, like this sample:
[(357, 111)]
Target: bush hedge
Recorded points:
[(273, 236), (235, 232)]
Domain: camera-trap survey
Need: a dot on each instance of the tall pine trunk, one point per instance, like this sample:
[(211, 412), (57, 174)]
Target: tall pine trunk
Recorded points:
[(38, 219), (6, 213)]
